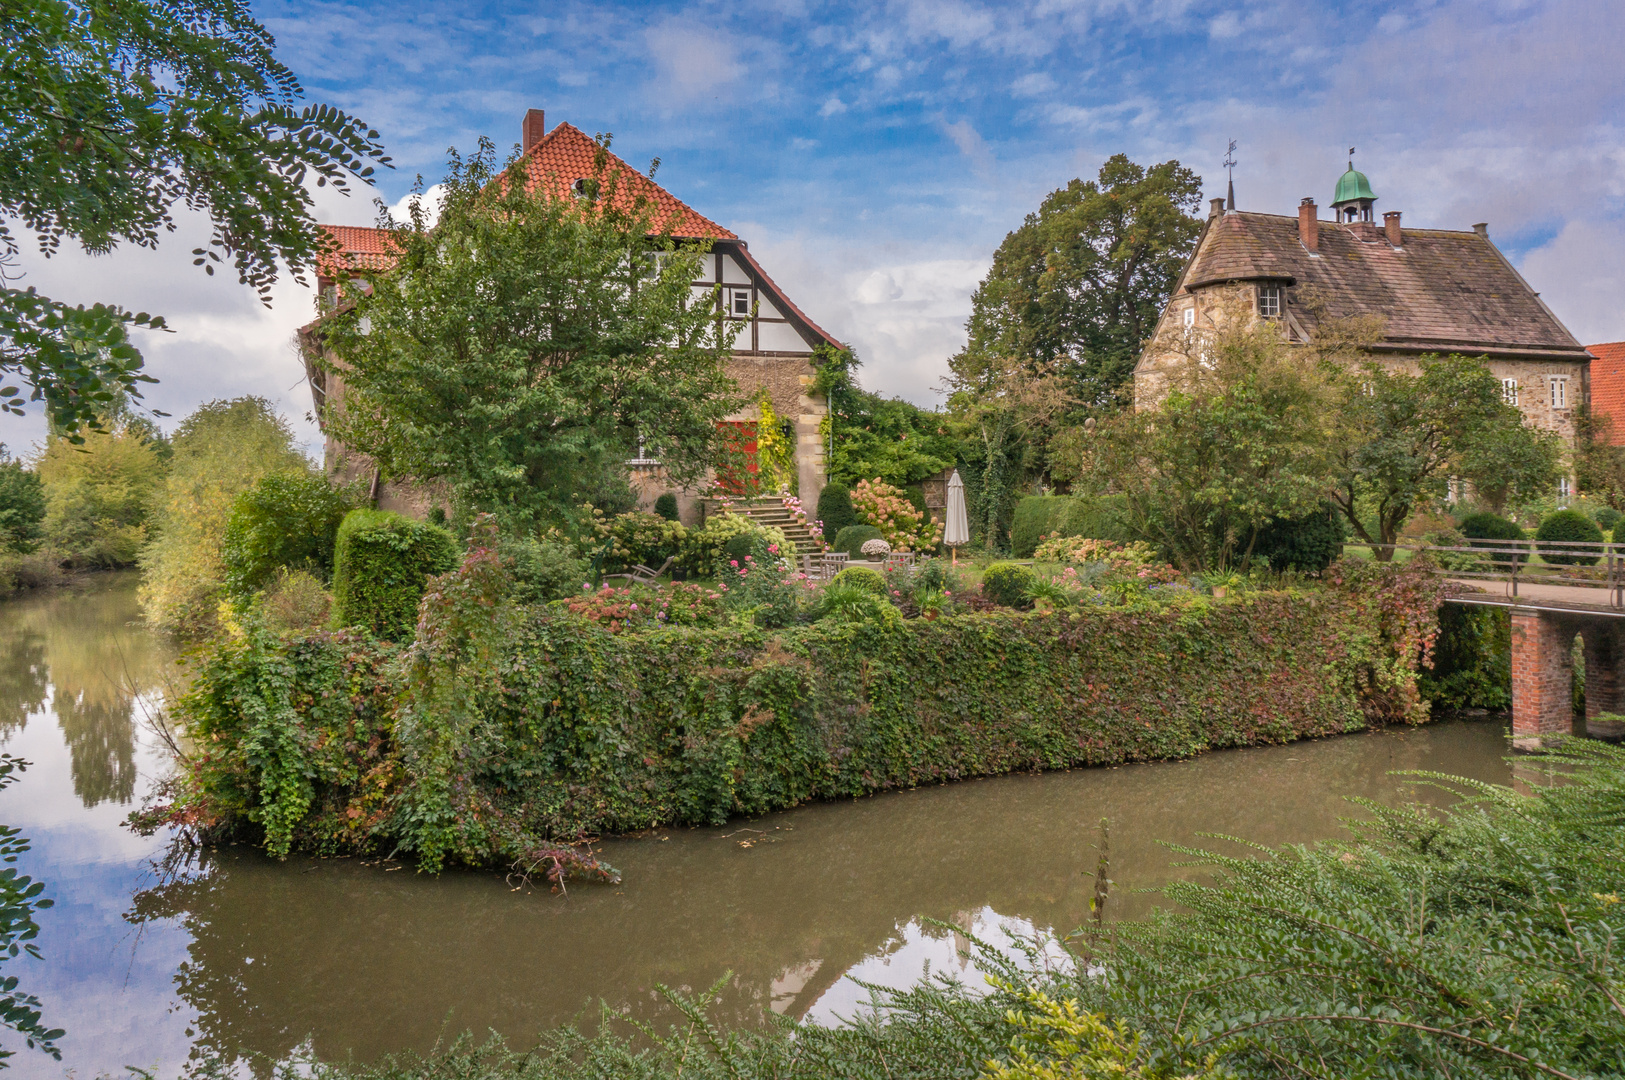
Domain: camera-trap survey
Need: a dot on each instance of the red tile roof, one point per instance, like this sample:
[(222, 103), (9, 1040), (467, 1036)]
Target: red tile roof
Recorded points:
[(560, 158), (1441, 290), (1608, 385)]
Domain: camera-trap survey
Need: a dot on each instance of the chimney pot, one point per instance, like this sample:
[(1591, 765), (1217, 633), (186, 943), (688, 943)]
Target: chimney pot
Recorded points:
[(1215, 207), (1309, 224), (1482, 229), (532, 129), (1390, 225)]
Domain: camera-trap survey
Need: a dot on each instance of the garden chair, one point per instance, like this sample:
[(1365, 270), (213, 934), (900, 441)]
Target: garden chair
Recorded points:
[(833, 563), (642, 575)]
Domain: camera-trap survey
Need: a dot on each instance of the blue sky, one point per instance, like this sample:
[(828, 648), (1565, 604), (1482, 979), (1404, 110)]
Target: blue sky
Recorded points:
[(875, 154)]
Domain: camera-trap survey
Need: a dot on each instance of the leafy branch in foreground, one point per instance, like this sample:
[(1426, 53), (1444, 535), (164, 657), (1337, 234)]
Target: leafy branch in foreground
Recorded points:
[(19, 900), (112, 112)]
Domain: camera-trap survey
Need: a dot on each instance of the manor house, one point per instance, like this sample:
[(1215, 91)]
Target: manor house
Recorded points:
[(1438, 290), (772, 352)]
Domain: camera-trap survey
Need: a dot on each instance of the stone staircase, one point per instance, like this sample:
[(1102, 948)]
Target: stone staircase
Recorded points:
[(771, 512)]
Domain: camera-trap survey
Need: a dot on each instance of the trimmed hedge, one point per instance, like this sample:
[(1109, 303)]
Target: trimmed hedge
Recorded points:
[(1497, 531), (381, 562), (852, 538), (863, 578), (1096, 517), (1568, 525), (1007, 584), (835, 509), (666, 506), (513, 726)]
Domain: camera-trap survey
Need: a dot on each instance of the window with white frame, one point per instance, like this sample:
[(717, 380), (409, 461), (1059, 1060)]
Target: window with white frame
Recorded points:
[(1560, 392), (656, 263), (739, 303), (1190, 317), (1509, 391), (1269, 301), (1564, 489)]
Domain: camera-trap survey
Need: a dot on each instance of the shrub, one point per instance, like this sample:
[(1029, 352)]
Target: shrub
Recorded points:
[(381, 564), (22, 506), (295, 601), (901, 524), (1308, 544), (835, 509), (543, 570), (637, 537), (855, 602), (666, 506), (852, 538), (863, 578), (1607, 517), (220, 450), (1495, 531), (1036, 518), (1008, 584), (705, 550), (98, 495), (1568, 525), (287, 519), (638, 607), (765, 589)]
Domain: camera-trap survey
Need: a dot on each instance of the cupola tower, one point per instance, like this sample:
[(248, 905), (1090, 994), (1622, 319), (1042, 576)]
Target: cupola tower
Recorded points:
[(1353, 198)]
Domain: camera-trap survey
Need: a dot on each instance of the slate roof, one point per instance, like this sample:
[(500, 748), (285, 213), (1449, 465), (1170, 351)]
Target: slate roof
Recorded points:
[(1441, 290), (1608, 385)]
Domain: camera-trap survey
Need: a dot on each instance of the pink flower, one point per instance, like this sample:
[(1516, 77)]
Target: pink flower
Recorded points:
[(773, 549), (733, 562)]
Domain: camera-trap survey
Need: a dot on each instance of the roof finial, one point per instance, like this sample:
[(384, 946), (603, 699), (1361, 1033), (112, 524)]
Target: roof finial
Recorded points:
[(1351, 157), (1230, 164)]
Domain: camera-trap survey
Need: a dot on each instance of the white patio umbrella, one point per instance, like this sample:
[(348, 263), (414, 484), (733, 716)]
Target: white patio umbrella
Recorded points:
[(958, 531)]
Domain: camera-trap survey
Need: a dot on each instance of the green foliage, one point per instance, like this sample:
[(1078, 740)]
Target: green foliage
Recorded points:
[(522, 349), (220, 450), (835, 508), (295, 601), (1035, 520), (852, 538), (1079, 286), (873, 436), (1477, 940), (98, 494), (861, 577), (381, 564), (19, 900), (1238, 441), (22, 506), (288, 519), (1606, 518), (706, 551), (1472, 660), (543, 570), (1308, 544), (1495, 531), (110, 114), (1007, 584), (666, 506), (636, 537), (1568, 526), (519, 725), (1401, 437)]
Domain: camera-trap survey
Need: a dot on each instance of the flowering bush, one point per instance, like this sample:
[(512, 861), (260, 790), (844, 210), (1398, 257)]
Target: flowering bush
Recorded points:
[(799, 512), (637, 537), (1137, 560), (767, 591), (888, 509), (706, 551), (872, 548), (639, 607)]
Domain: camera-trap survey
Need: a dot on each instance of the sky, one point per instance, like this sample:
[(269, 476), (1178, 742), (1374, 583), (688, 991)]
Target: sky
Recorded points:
[(875, 154)]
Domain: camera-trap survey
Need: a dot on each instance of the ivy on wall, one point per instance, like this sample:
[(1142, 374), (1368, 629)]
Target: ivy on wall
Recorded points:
[(502, 727)]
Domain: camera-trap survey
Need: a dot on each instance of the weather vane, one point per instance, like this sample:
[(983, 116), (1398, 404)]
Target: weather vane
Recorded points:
[(1230, 164), (1351, 157)]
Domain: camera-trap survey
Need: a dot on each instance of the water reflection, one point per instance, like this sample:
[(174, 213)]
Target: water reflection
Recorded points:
[(252, 960), (86, 647)]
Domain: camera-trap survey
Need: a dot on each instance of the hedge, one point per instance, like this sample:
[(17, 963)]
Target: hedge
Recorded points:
[(852, 538), (1039, 516), (835, 509), (381, 562), (511, 726)]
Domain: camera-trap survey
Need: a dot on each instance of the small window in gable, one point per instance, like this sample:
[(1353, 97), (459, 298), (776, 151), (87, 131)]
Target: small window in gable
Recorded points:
[(739, 303), (1269, 301), (1560, 392), (1509, 391), (1190, 316)]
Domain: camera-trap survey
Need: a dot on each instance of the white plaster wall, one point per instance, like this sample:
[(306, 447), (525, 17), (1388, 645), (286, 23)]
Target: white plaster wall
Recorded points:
[(769, 310), (732, 272), (779, 337)]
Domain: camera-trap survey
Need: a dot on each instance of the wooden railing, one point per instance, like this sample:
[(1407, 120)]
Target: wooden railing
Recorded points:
[(1567, 563)]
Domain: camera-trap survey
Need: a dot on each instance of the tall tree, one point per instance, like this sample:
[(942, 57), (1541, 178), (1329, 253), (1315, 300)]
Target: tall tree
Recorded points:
[(522, 349), (113, 111), (1077, 289), (1402, 436)]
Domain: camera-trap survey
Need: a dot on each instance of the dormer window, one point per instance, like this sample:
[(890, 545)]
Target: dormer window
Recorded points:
[(1269, 301), (739, 303), (583, 188)]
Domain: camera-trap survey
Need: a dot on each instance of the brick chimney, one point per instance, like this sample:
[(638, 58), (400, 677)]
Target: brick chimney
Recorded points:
[(1215, 207), (1390, 225), (1309, 224), (532, 129)]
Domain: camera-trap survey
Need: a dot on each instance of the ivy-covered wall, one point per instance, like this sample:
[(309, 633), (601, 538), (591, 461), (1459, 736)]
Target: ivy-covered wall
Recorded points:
[(502, 728)]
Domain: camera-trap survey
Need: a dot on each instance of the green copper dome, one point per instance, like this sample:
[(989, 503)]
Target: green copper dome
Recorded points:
[(1351, 186)]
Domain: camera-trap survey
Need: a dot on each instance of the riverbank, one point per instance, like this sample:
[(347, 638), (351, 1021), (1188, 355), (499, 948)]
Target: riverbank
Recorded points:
[(504, 733)]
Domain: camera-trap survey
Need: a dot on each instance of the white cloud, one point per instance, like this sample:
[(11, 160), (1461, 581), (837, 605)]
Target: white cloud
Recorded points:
[(1581, 276), (430, 201), (694, 62), (1225, 26), (833, 107), (1036, 84)]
